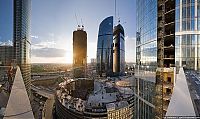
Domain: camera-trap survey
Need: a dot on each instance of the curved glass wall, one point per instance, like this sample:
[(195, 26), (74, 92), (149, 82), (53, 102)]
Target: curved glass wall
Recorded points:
[(187, 34), (21, 38), (104, 47)]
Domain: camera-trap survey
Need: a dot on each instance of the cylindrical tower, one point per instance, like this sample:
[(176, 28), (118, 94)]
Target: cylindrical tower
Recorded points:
[(79, 53)]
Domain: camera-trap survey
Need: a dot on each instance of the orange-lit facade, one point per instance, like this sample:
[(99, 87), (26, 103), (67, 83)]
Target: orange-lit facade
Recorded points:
[(79, 53)]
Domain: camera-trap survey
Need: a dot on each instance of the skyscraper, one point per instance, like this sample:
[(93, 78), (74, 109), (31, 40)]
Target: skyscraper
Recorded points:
[(79, 53), (6, 55), (118, 50), (146, 57), (21, 39), (187, 27), (167, 36), (104, 47)]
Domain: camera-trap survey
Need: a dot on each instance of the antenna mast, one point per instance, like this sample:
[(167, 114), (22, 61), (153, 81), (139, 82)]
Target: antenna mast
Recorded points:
[(77, 20), (115, 11)]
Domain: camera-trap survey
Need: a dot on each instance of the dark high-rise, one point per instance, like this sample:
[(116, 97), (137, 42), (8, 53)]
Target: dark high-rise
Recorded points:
[(118, 50), (21, 39), (79, 53), (104, 47)]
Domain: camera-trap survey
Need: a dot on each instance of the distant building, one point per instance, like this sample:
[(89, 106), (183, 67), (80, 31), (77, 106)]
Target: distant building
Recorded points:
[(6, 55), (21, 39), (93, 61), (118, 50), (79, 53), (104, 47)]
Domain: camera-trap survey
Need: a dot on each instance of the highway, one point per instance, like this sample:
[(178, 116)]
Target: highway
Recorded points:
[(42, 92), (194, 79)]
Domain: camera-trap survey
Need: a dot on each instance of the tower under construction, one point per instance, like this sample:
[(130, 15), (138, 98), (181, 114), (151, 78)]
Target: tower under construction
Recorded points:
[(79, 52)]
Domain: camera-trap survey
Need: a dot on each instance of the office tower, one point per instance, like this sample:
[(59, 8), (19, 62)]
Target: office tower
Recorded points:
[(167, 38), (146, 57), (104, 47), (21, 39), (79, 52), (187, 23), (118, 50), (6, 55)]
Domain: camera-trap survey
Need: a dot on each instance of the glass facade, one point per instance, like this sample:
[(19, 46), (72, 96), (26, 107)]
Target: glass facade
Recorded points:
[(146, 57), (146, 50), (21, 38), (187, 34), (104, 47)]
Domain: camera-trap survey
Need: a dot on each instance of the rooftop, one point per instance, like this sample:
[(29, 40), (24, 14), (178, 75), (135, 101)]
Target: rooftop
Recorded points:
[(181, 103), (18, 106), (106, 95)]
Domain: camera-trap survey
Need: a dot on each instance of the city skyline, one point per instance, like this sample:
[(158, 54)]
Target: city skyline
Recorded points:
[(53, 23)]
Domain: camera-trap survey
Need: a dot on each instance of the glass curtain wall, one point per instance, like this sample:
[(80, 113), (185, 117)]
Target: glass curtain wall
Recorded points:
[(146, 57), (187, 34)]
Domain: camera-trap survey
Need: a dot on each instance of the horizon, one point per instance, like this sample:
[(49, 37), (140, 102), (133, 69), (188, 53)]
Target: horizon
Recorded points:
[(51, 31)]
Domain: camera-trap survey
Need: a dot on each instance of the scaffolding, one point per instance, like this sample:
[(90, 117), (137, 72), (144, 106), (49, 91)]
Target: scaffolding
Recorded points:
[(165, 54)]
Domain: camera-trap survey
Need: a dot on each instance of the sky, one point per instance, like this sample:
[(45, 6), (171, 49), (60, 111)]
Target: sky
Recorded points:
[(53, 23)]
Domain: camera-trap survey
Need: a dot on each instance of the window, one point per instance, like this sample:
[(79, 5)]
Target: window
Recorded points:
[(169, 79)]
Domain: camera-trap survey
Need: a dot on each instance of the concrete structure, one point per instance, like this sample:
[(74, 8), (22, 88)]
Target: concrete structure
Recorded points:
[(86, 98), (79, 53), (181, 104), (18, 106), (105, 47), (21, 39), (118, 50)]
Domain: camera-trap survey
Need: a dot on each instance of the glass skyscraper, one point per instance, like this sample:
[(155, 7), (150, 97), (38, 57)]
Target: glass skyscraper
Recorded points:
[(118, 50), (146, 57), (181, 40), (104, 47), (21, 39), (187, 34)]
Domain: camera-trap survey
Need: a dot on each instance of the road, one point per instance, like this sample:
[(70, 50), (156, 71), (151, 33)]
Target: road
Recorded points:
[(3, 99), (194, 79), (48, 106)]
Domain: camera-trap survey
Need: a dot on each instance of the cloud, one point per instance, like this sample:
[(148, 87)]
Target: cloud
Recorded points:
[(46, 44), (7, 42), (48, 52), (36, 37)]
